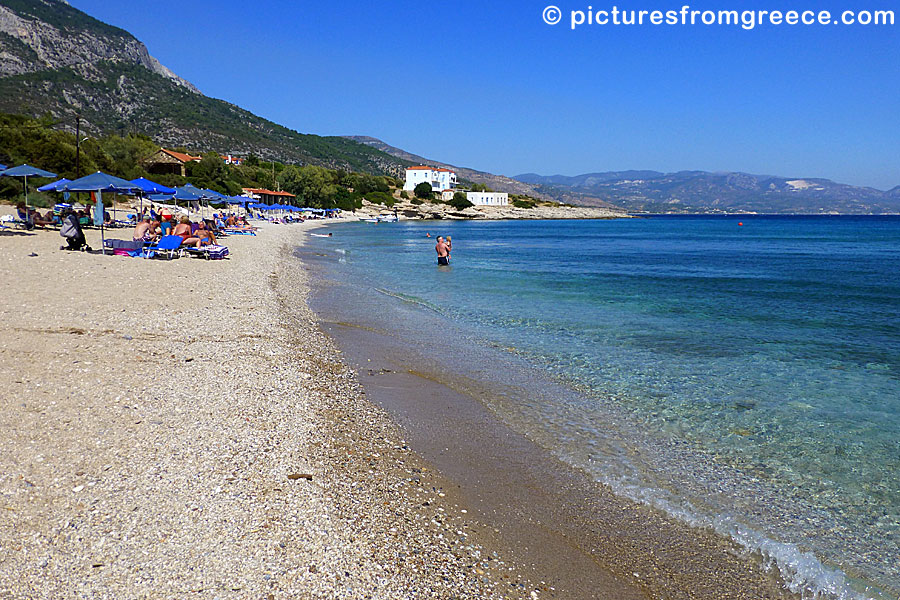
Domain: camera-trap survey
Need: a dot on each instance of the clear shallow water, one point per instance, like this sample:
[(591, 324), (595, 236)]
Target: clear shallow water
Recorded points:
[(742, 378)]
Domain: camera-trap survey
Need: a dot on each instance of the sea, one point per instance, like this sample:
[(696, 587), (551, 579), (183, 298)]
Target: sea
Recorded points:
[(741, 373)]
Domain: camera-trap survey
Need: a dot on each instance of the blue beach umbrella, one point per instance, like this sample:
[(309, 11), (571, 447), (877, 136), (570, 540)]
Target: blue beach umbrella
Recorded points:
[(26, 171), (188, 192), (184, 193), (100, 182), (190, 189), (54, 185), (212, 194), (151, 187)]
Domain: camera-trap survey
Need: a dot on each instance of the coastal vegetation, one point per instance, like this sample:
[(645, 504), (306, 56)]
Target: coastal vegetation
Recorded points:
[(424, 191), (460, 201), (45, 143), (520, 202)]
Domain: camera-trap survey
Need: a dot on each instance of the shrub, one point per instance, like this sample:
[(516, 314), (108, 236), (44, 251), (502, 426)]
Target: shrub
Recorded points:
[(523, 204), (417, 202), (381, 198), (460, 201), (423, 191), (404, 195)]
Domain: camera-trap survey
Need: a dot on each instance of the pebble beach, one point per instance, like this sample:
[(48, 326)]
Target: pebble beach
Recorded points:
[(183, 428)]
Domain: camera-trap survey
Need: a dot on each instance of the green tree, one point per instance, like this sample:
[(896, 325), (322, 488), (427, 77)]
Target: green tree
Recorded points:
[(344, 200), (381, 198), (314, 186), (460, 201), (423, 191)]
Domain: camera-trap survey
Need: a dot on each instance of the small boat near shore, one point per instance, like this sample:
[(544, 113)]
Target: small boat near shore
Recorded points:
[(387, 218)]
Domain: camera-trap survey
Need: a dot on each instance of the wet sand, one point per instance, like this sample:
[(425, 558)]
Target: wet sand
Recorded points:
[(569, 533)]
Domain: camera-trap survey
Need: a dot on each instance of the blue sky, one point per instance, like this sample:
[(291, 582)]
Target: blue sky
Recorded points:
[(489, 85)]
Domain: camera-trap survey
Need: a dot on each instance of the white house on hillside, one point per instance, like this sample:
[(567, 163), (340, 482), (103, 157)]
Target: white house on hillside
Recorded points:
[(439, 179), (488, 198)]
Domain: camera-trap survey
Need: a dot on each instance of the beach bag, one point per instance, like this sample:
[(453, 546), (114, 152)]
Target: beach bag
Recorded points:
[(70, 229), (216, 252)]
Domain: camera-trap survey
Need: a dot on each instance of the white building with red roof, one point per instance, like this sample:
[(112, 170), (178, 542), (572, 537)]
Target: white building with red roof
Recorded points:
[(439, 179)]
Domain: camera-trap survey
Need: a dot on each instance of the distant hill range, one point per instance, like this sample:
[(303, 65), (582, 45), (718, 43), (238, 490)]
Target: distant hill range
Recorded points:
[(703, 192), (57, 60)]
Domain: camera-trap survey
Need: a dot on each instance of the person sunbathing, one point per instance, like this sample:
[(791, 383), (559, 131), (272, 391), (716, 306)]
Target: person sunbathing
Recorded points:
[(47, 219), (144, 231), (183, 230), (32, 217), (241, 225), (206, 235)]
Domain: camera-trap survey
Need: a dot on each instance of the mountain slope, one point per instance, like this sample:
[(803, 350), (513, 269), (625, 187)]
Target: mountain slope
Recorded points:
[(700, 191), (57, 60), (37, 35)]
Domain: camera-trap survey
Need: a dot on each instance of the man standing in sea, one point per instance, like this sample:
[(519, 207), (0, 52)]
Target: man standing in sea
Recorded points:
[(442, 251)]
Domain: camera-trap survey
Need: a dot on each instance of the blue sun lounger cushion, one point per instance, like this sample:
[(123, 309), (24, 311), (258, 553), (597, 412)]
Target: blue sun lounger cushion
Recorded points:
[(169, 245)]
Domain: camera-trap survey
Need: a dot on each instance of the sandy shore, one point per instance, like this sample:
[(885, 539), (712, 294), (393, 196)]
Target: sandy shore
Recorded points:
[(184, 429)]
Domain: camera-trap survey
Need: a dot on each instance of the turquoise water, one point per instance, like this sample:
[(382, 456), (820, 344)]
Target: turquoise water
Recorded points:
[(744, 378)]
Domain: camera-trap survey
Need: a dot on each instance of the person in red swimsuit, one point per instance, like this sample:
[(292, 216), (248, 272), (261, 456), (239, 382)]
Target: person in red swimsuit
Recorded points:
[(183, 230)]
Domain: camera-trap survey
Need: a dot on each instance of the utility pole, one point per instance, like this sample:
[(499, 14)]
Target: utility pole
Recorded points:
[(78, 152), (77, 146)]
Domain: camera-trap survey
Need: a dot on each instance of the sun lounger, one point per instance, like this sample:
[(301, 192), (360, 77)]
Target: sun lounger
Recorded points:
[(233, 231), (125, 247), (7, 220), (168, 246), (210, 252)]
